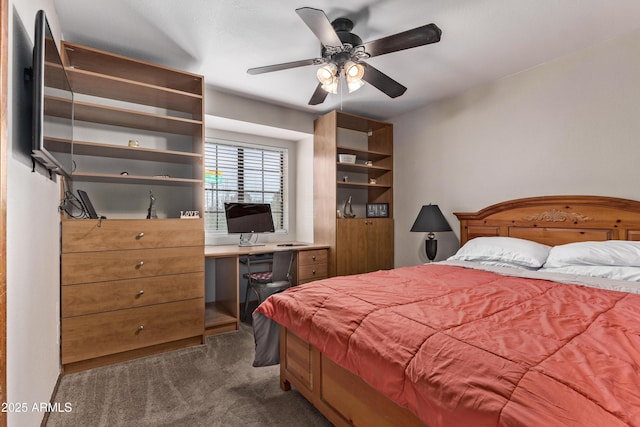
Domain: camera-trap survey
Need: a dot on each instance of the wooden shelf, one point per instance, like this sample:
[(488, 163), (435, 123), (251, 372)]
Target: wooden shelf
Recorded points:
[(361, 185), (86, 148), (217, 319), (358, 123), (363, 154), (110, 87), (98, 61), (134, 179), (95, 113), (134, 119), (361, 168)]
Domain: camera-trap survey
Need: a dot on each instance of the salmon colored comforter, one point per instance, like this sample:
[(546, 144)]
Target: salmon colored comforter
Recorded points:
[(464, 347)]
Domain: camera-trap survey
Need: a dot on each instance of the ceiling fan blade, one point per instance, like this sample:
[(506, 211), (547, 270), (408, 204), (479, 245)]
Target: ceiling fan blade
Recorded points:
[(381, 81), (319, 95), (284, 66), (420, 36), (319, 24)]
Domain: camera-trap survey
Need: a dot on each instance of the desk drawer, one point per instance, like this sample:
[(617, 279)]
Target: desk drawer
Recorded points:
[(115, 265), (84, 235), (88, 298), (308, 273), (313, 257), (95, 335)]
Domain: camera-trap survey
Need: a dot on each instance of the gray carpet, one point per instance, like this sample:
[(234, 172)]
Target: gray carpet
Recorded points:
[(210, 385)]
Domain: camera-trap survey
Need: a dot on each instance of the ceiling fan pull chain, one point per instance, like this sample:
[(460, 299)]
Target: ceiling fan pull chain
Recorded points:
[(341, 92)]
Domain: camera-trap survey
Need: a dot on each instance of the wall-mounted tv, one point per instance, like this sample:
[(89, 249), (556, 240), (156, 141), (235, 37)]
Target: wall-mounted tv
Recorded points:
[(248, 218), (52, 103)]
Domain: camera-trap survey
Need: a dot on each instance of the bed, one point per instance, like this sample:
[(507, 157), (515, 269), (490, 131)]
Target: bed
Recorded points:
[(475, 341)]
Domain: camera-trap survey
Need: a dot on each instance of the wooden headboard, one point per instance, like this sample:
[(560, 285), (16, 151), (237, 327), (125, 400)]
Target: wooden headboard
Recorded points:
[(555, 220)]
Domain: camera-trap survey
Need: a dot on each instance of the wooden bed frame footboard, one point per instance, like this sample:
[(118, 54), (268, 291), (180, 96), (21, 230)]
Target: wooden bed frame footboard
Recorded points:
[(346, 400), (341, 396)]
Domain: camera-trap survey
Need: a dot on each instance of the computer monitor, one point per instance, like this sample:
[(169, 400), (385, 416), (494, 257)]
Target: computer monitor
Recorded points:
[(247, 219)]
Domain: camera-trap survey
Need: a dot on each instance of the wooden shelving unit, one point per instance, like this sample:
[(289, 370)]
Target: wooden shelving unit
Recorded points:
[(162, 296), (360, 244), (133, 95)]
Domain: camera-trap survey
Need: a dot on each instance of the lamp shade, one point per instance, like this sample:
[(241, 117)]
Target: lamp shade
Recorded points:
[(430, 220)]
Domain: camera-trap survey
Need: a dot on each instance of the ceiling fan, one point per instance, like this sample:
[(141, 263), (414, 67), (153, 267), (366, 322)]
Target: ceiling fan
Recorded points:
[(344, 53)]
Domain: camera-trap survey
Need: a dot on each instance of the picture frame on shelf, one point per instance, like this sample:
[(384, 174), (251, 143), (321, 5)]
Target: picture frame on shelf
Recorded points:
[(377, 210)]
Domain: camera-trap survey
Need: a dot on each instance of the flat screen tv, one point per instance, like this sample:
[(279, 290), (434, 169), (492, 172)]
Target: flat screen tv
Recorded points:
[(52, 103), (248, 218)]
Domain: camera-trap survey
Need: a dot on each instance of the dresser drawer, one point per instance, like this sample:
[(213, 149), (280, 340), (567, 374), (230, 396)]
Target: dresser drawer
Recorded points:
[(97, 297), (313, 257), (82, 235), (95, 335), (115, 265), (307, 273)]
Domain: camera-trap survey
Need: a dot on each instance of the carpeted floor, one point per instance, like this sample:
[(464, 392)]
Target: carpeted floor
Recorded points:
[(210, 385)]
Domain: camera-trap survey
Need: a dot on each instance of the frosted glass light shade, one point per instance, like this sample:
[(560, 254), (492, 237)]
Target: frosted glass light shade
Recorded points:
[(327, 74)]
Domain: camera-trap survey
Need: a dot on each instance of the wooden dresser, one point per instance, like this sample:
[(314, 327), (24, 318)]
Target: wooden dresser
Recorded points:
[(130, 288)]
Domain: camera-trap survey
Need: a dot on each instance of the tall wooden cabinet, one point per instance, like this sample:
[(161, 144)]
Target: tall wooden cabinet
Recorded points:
[(132, 286), (360, 244)]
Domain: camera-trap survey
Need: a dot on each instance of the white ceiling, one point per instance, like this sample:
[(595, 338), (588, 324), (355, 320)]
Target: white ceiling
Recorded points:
[(482, 40)]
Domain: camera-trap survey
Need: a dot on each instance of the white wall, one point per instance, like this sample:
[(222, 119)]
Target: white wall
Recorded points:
[(243, 116), (221, 104), (570, 126), (32, 242)]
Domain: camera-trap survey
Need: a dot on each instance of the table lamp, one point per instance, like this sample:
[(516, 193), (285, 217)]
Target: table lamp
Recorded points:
[(430, 220)]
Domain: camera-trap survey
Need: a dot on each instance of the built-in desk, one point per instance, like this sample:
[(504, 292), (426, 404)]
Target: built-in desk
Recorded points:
[(223, 315)]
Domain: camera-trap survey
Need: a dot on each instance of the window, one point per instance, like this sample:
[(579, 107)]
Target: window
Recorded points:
[(239, 172)]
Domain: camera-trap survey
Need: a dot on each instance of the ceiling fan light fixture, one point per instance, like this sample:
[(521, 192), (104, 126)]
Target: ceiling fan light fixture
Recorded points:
[(354, 84), (353, 70), (327, 73), (353, 74), (331, 87)]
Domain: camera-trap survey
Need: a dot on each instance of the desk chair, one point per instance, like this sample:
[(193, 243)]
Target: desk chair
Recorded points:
[(265, 283)]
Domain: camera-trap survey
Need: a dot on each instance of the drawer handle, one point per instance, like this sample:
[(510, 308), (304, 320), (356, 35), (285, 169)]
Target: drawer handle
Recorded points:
[(140, 328), (313, 257), (313, 271), (139, 236), (140, 292), (140, 264)]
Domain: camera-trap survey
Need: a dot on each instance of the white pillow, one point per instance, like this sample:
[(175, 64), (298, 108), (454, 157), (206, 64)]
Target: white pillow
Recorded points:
[(610, 272), (622, 253), (503, 251)]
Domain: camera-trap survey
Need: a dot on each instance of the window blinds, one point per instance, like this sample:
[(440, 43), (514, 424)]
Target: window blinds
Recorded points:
[(239, 172)]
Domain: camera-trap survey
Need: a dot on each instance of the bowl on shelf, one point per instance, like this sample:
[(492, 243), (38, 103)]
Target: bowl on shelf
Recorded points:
[(347, 158)]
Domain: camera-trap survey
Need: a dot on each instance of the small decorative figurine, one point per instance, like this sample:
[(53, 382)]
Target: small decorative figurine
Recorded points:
[(151, 212), (347, 211)]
